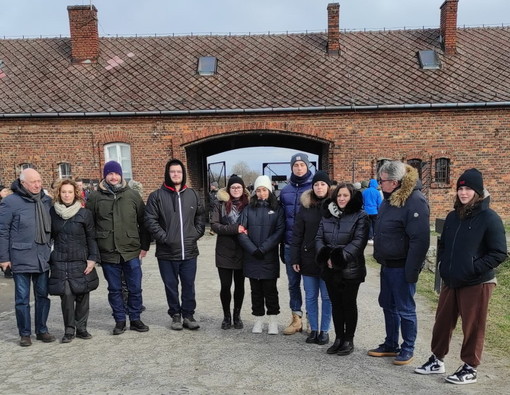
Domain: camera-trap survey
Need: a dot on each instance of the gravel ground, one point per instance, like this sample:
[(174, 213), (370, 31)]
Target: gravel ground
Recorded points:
[(211, 360)]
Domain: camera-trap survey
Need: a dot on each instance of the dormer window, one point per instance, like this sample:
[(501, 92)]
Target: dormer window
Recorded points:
[(429, 60), (207, 65)]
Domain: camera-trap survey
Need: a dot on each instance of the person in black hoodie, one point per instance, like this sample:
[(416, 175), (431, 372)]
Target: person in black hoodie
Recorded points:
[(340, 244), (472, 245), (175, 217), (302, 257)]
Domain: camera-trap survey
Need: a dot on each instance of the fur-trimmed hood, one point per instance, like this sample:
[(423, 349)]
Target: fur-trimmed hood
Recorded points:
[(309, 199), (224, 196), (407, 185)]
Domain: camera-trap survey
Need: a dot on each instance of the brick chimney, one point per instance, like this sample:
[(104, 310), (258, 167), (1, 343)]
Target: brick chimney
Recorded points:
[(333, 28), (84, 33), (448, 28)]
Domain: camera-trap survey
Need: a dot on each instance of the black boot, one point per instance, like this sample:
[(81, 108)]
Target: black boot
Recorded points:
[(312, 337), (335, 347), (238, 322), (227, 321), (322, 338), (346, 348)]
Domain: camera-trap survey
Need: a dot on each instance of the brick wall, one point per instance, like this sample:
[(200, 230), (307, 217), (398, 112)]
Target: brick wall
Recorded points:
[(351, 144)]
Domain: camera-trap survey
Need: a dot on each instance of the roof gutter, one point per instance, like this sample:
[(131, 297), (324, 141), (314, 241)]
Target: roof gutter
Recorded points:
[(423, 106)]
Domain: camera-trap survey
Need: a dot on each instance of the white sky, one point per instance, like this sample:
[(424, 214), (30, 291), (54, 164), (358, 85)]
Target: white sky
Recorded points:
[(49, 18)]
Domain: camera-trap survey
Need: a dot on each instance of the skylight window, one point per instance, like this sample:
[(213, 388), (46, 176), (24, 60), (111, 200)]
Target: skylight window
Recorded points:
[(207, 65), (429, 60)]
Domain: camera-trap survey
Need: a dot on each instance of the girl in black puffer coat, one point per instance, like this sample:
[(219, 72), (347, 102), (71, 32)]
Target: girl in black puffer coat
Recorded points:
[(340, 244), (74, 256), (264, 222)]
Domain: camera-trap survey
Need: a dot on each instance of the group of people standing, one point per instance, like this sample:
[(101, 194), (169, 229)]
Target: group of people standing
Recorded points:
[(318, 229)]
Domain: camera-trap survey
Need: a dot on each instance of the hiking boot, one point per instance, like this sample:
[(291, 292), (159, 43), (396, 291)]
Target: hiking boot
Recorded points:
[(464, 375), (120, 327), (384, 351), (295, 326), (25, 341), (176, 322), (138, 325), (312, 337), (432, 366), (227, 321), (68, 338), (238, 322), (335, 347), (190, 323), (403, 358), (45, 337), (346, 348), (83, 334), (322, 338)]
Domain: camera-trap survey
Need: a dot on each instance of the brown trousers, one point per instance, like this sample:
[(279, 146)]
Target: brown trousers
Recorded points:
[(471, 304)]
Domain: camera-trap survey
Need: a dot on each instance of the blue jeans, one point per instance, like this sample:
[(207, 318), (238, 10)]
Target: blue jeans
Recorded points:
[(132, 270), (22, 301), (294, 278), (397, 301), (312, 287), (185, 271)]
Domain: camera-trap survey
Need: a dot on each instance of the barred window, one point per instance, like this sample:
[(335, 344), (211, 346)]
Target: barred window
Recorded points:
[(23, 166), (64, 170), (442, 174), (417, 164), (381, 162)]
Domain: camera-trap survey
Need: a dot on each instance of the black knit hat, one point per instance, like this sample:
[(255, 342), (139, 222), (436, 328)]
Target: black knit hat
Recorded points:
[(112, 167), (235, 179), (471, 178), (321, 176)]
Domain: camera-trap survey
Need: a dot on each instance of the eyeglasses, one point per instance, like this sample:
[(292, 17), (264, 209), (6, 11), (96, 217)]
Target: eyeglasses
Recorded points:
[(236, 187), (381, 181)]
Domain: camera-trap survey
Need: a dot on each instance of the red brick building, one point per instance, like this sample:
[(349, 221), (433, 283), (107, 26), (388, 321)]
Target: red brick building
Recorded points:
[(436, 98)]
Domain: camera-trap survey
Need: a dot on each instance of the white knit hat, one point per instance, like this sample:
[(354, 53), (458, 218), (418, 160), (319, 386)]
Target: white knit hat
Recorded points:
[(263, 181)]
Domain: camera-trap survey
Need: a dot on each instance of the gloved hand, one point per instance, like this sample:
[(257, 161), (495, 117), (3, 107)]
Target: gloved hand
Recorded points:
[(258, 254)]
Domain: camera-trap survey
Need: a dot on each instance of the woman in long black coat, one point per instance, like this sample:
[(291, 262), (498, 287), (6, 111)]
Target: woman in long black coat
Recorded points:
[(229, 253), (340, 244), (74, 256)]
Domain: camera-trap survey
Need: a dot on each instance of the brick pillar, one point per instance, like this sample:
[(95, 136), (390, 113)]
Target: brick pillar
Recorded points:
[(84, 34), (333, 28), (448, 27)]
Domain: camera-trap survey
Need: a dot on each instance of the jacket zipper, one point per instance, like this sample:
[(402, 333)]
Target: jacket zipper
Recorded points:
[(182, 225)]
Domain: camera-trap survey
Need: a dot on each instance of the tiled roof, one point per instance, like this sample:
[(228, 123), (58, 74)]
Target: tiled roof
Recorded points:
[(263, 71)]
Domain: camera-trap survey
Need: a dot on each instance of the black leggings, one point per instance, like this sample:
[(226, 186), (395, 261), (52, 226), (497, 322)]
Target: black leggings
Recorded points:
[(344, 308), (226, 276)]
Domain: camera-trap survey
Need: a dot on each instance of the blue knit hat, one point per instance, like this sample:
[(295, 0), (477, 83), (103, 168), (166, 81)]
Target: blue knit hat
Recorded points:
[(112, 167)]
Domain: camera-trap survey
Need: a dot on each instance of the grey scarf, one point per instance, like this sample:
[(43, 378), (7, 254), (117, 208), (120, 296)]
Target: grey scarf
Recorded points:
[(67, 212), (42, 221)]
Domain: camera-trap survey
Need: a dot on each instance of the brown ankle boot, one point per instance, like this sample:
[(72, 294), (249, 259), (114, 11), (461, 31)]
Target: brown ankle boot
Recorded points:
[(295, 326)]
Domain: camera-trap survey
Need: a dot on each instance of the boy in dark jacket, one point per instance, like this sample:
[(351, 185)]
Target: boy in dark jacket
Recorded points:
[(175, 218)]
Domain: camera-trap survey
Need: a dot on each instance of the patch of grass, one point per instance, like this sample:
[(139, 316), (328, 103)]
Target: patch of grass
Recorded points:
[(497, 335)]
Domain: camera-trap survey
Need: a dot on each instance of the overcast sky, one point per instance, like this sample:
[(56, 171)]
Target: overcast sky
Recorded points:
[(49, 18)]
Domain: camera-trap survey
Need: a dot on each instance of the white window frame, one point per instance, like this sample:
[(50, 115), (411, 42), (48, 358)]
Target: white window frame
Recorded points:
[(121, 153), (62, 170)]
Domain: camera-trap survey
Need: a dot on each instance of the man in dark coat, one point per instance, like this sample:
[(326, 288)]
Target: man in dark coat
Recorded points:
[(401, 242), (175, 218), (123, 241), (25, 233)]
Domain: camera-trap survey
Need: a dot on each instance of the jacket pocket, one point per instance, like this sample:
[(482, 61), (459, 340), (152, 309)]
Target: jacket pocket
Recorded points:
[(21, 246)]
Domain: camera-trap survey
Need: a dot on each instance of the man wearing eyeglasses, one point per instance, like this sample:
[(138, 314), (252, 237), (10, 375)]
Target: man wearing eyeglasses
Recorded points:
[(401, 242)]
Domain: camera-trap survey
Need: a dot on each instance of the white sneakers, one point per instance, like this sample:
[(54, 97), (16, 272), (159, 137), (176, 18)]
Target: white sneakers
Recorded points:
[(272, 328), (432, 366)]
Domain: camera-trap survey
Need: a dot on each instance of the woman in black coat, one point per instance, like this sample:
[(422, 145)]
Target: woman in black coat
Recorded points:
[(73, 258), (229, 253), (302, 257), (472, 245), (340, 244), (264, 222)]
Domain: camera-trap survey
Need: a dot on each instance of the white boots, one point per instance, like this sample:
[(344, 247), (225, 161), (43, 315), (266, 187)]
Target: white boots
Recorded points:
[(272, 328)]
